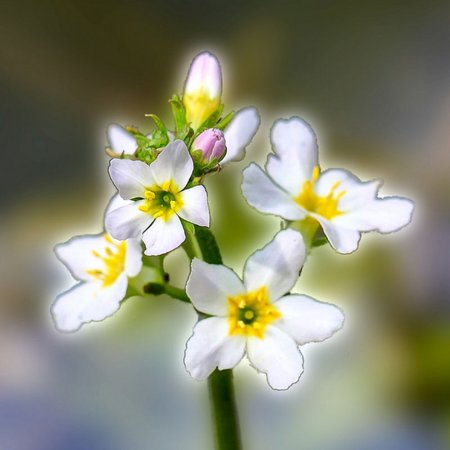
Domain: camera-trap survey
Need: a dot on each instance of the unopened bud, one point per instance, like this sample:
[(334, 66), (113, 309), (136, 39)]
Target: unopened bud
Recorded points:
[(212, 145), (203, 89)]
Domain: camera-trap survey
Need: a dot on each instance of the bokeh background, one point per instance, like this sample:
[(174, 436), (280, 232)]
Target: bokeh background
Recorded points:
[(372, 77)]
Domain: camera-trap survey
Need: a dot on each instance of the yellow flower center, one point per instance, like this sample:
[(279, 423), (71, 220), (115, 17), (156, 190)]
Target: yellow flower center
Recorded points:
[(162, 201), (113, 259), (199, 106), (250, 313), (326, 206)]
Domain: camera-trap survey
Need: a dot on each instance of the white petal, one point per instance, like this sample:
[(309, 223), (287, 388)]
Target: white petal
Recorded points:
[(174, 163), (239, 133), (283, 175), (116, 202), (87, 302), (128, 221), (308, 320), (162, 237), (211, 346), (121, 141), (195, 206), (357, 192), (133, 259), (77, 254), (384, 215), (265, 196), (278, 356), (277, 265), (343, 240), (295, 144), (210, 285), (130, 177)]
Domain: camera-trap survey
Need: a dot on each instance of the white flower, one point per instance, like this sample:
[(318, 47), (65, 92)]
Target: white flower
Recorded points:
[(102, 265), (120, 140), (255, 316), (161, 199), (295, 189)]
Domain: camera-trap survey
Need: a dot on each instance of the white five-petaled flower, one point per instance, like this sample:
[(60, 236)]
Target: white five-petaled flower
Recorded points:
[(160, 199), (295, 189), (102, 265), (255, 316)]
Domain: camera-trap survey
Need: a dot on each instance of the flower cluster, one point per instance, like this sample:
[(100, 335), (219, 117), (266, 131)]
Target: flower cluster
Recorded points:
[(162, 204)]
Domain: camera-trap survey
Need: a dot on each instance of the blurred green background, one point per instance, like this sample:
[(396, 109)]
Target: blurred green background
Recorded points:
[(373, 79)]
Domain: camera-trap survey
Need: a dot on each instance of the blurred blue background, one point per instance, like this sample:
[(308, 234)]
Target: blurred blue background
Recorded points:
[(373, 79)]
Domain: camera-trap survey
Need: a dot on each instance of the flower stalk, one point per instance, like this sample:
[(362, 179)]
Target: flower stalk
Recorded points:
[(224, 411), (201, 244)]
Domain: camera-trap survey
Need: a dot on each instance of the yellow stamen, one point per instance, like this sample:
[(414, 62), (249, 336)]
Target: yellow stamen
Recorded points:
[(324, 206), (162, 201), (250, 313), (144, 208), (113, 260), (316, 173)]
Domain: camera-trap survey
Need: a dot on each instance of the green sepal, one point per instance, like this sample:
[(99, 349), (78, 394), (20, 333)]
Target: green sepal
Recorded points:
[(200, 167), (211, 165), (147, 155), (182, 128), (318, 242), (199, 163), (224, 122), (159, 137), (211, 121), (146, 148)]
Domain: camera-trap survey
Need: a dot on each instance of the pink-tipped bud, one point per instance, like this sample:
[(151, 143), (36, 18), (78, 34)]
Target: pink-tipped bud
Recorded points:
[(212, 145), (203, 88)]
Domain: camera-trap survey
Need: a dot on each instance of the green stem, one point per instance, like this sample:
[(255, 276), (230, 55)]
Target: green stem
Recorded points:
[(202, 244), (177, 293), (191, 245), (223, 405)]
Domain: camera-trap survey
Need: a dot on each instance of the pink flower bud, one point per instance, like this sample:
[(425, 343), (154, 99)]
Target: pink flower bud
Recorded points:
[(211, 143), (203, 88)]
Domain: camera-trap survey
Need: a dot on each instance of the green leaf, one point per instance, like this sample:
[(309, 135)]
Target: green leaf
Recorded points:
[(208, 245), (158, 122)]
